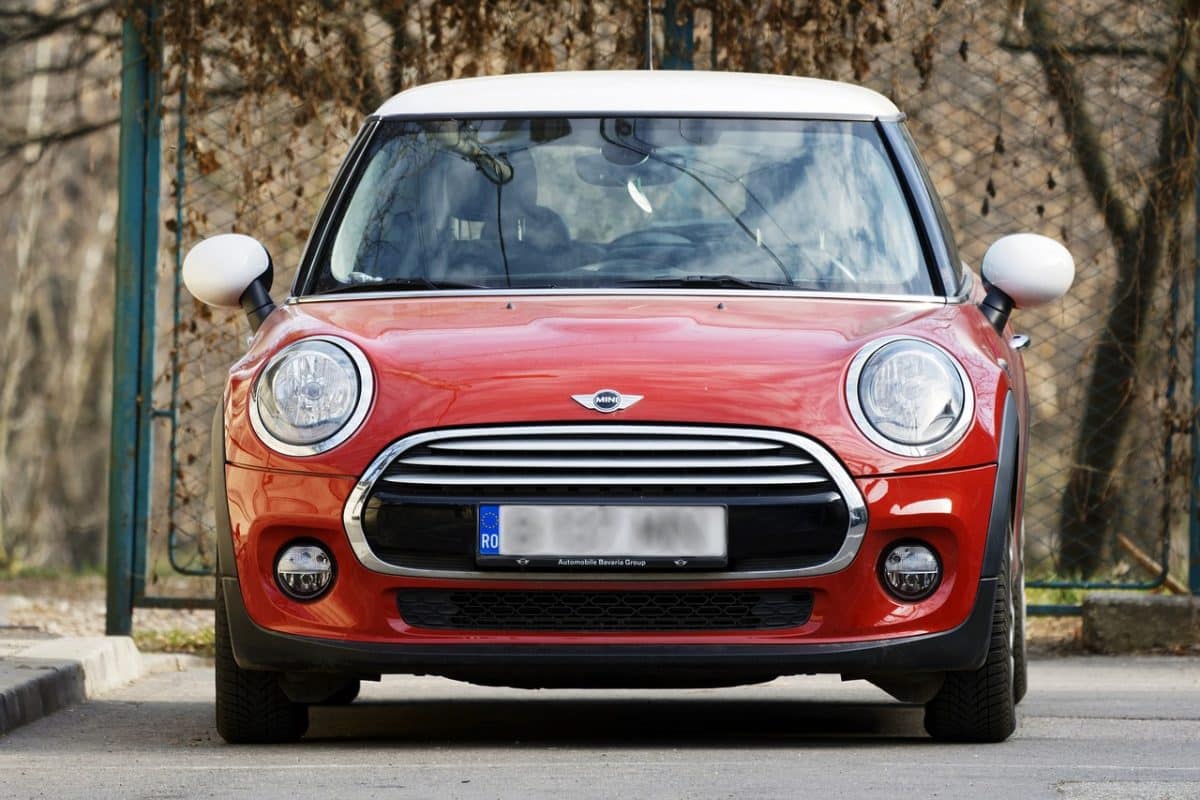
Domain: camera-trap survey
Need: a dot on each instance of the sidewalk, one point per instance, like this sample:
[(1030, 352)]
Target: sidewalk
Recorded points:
[(41, 673)]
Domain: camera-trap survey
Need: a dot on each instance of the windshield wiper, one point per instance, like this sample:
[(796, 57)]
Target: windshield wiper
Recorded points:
[(703, 281), (400, 284)]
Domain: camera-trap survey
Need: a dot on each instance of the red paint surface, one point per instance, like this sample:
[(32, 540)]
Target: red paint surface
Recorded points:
[(776, 362)]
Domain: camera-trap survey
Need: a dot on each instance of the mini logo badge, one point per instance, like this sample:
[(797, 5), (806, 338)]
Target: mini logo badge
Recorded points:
[(606, 401)]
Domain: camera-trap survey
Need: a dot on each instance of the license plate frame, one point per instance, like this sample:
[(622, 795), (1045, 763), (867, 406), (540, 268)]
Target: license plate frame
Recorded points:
[(610, 537)]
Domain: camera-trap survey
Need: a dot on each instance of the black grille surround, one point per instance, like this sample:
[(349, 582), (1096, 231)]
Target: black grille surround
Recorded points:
[(791, 507), (616, 611)]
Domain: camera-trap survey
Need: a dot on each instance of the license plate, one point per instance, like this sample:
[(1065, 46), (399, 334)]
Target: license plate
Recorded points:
[(602, 537)]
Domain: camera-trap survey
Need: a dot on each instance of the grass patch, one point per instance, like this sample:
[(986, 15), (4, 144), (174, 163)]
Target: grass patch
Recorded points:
[(1054, 597), (17, 571), (176, 640)]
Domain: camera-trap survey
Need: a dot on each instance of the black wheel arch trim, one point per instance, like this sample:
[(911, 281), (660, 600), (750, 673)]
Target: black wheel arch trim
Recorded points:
[(226, 564), (1007, 467)]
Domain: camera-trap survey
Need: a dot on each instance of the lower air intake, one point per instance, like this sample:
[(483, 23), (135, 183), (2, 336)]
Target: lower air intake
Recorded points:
[(605, 611)]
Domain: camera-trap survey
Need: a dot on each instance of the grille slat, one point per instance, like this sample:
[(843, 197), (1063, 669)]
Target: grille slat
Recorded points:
[(561, 479), (609, 463), (630, 444), (605, 611)]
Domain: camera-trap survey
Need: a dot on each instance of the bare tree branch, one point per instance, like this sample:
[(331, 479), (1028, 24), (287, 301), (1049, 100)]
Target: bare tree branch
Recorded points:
[(1068, 90), (1090, 49), (27, 25), (10, 148)]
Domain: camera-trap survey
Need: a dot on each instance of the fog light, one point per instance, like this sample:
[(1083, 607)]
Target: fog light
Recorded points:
[(304, 571), (911, 571)]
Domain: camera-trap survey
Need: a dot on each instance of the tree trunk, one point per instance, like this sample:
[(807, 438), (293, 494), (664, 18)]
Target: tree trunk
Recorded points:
[(1089, 503)]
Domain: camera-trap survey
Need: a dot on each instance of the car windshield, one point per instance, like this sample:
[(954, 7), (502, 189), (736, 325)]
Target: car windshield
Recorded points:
[(620, 202)]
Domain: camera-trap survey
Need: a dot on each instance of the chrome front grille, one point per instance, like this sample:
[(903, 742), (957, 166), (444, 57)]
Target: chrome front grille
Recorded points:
[(626, 457), (422, 492)]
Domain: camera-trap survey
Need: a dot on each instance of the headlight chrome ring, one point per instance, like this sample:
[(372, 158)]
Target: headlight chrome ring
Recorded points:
[(366, 391), (943, 442)]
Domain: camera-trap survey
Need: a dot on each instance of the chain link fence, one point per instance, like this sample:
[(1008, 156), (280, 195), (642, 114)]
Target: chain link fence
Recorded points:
[(996, 140), (979, 106)]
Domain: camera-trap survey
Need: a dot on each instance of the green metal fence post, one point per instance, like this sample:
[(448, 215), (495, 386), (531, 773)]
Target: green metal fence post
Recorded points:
[(677, 38), (1194, 505), (148, 287), (133, 320)]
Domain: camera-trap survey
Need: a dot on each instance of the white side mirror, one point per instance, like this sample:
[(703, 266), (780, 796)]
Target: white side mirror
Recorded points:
[(231, 270), (1032, 270), (218, 270), (1022, 271)]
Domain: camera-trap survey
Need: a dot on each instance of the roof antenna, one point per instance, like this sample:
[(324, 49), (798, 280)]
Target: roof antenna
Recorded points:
[(649, 37)]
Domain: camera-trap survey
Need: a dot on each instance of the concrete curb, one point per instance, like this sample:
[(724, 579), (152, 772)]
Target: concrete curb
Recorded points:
[(1116, 622), (41, 676)]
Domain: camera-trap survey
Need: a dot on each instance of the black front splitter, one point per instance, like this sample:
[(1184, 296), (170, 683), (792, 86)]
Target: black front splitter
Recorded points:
[(961, 648)]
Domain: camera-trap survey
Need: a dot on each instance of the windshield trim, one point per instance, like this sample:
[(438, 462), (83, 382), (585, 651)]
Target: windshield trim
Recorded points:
[(349, 172), (338, 297), (781, 115)]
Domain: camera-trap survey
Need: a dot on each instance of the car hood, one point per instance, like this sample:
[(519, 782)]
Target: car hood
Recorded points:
[(737, 359)]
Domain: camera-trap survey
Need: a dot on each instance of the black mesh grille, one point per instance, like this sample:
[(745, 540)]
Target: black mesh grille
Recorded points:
[(605, 611), (768, 534)]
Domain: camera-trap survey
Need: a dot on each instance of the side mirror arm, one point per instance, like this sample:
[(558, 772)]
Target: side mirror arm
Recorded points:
[(257, 303), (996, 306)]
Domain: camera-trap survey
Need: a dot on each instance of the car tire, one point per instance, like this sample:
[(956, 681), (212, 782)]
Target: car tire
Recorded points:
[(1020, 665), (980, 705), (251, 706)]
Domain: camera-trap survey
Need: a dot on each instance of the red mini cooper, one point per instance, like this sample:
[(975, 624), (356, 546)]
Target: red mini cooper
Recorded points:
[(625, 379)]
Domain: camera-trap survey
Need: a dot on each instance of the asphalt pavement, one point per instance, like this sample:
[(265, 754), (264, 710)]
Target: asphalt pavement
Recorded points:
[(1091, 727)]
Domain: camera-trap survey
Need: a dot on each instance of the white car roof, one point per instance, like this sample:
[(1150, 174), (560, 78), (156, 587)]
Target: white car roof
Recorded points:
[(658, 92)]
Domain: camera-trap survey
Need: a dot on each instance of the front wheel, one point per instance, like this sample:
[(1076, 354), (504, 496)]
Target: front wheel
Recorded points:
[(251, 706), (980, 705), (1020, 660)]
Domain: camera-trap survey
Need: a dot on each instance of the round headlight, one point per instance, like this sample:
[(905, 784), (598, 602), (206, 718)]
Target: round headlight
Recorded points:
[(909, 396), (312, 395)]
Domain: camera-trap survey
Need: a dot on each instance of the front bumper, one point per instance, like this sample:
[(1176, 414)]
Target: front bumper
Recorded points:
[(961, 648), (857, 629)]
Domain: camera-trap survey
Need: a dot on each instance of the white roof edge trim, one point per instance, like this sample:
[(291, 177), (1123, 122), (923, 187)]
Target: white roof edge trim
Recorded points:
[(658, 92)]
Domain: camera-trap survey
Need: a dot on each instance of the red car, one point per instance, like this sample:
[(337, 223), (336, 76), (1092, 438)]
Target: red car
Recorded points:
[(629, 379)]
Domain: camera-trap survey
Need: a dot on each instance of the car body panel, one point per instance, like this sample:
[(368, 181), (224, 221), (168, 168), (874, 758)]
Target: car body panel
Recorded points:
[(723, 359), (641, 92), (949, 510)]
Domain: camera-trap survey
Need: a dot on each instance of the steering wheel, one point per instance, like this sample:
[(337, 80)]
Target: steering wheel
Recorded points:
[(650, 238), (632, 265)]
